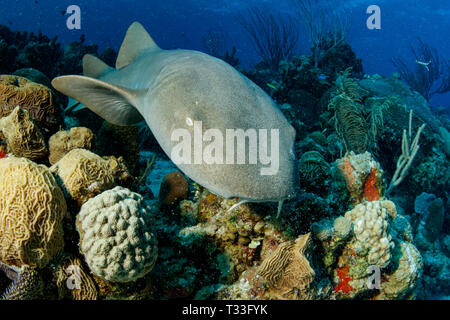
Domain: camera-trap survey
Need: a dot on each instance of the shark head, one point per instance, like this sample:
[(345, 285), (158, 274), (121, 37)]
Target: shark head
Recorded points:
[(219, 128)]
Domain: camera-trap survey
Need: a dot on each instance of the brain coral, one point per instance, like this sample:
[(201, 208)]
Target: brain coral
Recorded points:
[(22, 137), (32, 209), (64, 141), (116, 235), (84, 174), (37, 99)]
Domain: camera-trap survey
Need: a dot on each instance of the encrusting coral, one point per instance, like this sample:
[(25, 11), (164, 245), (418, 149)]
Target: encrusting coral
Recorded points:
[(116, 235), (32, 210), (363, 176), (37, 99), (27, 283), (64, 141), (84, 174), (22, 137)]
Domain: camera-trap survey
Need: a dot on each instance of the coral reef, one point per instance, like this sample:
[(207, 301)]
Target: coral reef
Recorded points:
[(22, 137), (64, 141), (32, 210), (37, 99), (116, 235), (84, 174)]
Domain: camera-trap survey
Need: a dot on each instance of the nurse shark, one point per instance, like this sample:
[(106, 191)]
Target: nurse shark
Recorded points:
[(191, 92)]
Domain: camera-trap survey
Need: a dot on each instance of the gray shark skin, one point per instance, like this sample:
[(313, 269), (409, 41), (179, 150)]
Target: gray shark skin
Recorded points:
[(168, 87)]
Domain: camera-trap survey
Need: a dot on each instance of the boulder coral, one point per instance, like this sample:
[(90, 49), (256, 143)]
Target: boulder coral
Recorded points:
[(84, 174), (37, 99), (32, 210), (116, 235), (22, 137), (370, 227), (64, 141)]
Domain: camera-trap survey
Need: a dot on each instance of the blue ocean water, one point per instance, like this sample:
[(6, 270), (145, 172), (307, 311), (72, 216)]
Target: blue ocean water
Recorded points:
[(183, 23)]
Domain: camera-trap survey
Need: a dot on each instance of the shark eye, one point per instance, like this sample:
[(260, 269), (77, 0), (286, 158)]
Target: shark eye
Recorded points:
[(189, 122)]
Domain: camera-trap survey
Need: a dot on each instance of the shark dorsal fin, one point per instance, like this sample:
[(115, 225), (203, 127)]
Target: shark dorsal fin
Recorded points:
[(136, 41), (94, 67)]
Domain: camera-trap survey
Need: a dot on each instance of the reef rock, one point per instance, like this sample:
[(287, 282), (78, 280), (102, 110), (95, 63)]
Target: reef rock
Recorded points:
[(32, 210), (116, 235), (23, 138)]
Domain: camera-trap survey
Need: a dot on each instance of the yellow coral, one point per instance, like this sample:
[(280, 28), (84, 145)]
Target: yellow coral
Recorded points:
[(23, 138), (287, 271), (84, 174), (32, 209), (74, 282), (37, 99), (64, 141)]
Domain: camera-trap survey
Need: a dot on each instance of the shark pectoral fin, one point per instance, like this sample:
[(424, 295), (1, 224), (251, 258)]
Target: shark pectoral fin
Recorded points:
[(137, 40), (94, 67), (113, 103)]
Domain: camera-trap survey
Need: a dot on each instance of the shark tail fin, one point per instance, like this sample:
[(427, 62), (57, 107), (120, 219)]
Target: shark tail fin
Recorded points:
[(113, 103), (94, 67), (137, 40)]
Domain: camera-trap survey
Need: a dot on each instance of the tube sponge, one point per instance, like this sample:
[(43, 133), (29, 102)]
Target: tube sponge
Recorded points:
[(116, 235)]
